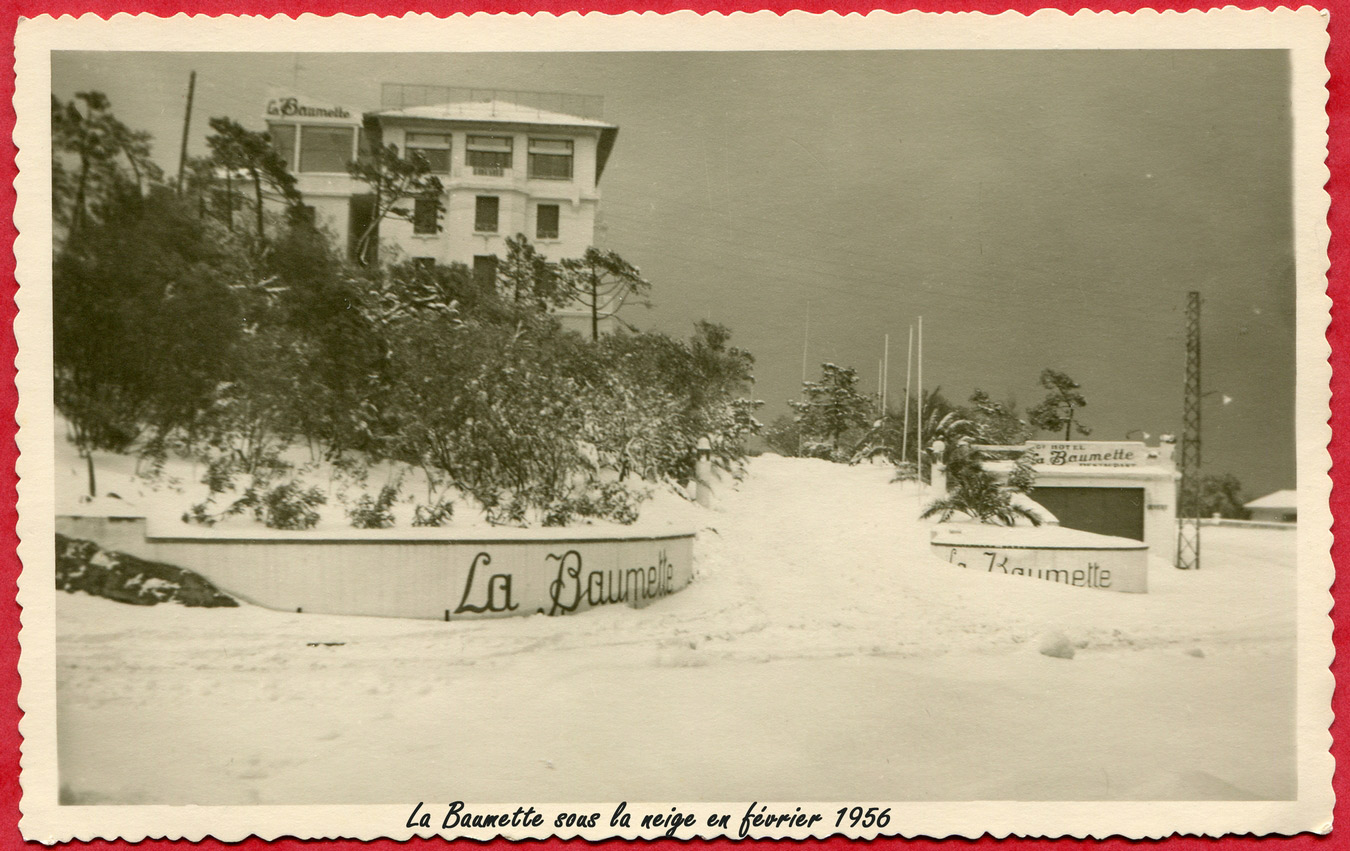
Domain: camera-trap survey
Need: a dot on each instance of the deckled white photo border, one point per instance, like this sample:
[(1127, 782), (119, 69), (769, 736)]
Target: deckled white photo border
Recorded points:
[(1303, 32)]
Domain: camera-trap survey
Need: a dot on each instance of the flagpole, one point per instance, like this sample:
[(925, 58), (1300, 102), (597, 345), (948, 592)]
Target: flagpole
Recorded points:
[(918, 426), (885, 372), (806, 341), (881, 384), (909, 369)]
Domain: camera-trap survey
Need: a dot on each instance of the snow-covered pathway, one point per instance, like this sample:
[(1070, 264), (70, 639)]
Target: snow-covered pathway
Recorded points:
[(821, 654)]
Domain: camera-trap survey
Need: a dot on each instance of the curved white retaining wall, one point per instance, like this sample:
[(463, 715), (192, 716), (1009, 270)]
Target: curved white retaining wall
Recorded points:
[(418, 573), (1047, 554)]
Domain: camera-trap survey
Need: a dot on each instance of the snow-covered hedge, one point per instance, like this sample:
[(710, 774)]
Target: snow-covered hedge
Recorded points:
[(85, 566)]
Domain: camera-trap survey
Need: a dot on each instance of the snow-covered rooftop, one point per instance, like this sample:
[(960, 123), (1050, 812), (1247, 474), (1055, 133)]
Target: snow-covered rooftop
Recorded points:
[(495, 111), (1278, 499), (505, 112)]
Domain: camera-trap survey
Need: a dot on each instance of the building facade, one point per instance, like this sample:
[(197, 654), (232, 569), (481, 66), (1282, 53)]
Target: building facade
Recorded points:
[(1278, 507), (1123, 489), (507, 168)]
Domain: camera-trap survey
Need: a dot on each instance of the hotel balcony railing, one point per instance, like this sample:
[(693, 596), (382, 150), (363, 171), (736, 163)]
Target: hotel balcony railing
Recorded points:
[(489, 171), (401, 95)]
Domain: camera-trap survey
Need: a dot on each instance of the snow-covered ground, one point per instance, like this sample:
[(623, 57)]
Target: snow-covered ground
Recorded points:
[(822, 654)]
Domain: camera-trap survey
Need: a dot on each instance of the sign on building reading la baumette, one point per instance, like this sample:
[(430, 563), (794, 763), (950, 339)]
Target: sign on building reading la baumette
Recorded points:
[(288, 106), (1055, 453)]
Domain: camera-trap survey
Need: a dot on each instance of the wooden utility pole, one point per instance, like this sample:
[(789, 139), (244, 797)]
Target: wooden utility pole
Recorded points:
[(187, 125)]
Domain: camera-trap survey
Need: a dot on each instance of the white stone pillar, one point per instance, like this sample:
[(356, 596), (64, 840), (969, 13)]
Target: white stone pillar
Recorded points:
[(703, 473)]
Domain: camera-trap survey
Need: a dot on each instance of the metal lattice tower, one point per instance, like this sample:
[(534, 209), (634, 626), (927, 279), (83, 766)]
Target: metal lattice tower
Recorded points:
[(1188, 504)]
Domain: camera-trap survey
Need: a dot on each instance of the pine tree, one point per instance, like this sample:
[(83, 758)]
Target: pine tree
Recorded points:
[(602, 281), (1061, 404), (245, 152), (394, 181), (831, 407)]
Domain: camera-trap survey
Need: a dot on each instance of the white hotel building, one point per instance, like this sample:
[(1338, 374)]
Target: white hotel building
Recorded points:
[(511, 162)]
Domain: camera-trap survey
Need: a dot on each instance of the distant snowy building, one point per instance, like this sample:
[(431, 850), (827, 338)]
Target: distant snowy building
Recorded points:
[(1280, 506), (511, 162)]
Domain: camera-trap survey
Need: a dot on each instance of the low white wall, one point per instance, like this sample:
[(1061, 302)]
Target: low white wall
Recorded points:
[(417, 575), (1048, 554)]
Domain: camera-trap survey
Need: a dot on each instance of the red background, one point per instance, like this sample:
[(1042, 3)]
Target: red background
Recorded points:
[(1338, 61)]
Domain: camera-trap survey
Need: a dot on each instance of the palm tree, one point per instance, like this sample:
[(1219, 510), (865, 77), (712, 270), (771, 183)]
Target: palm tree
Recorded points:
[(978, 494)]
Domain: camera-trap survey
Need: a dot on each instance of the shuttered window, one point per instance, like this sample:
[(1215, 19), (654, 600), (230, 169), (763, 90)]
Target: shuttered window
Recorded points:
[(551, 159), (485, 213), (434, 147), (546, 221), (485, 270), (489, 155), (424, 216)]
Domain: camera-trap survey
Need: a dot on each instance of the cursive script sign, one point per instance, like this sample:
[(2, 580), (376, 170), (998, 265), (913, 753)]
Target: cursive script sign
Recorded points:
[(282, 107), (575, 585), (1088, 453)]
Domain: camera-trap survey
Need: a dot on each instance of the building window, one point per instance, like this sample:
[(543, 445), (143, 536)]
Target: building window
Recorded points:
[(434, 147), (485, 213), (546, 221), (424, 264), (485, 270), (551, 159), (425, 215), (489, 155), (326, 149), (283, 142)]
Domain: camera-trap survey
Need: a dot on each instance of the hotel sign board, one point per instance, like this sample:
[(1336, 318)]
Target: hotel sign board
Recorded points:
[(287, 106), (1092, 453)]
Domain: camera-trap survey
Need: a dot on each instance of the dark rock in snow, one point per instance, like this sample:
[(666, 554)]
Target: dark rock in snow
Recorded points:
[(85, 566)]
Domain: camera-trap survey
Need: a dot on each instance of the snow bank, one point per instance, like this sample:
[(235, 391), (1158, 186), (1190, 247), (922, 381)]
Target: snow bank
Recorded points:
[(124, 490)]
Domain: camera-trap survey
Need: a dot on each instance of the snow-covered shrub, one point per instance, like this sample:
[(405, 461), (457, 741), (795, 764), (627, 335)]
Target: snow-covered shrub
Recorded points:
[(288, 506), (433, 514), (1023, 475), (651, 398), (617, 502), (906, 471), (374, 513), (607, 501), (85, 566), (784, 436), (506, 511)]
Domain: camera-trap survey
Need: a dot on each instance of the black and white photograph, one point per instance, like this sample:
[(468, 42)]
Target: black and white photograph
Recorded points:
[(879, 426)]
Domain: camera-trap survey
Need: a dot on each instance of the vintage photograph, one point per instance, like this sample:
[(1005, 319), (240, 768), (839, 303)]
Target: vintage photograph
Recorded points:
[(683, 426)]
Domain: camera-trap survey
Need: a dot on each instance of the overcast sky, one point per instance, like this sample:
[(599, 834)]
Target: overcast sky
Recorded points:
[(1037, 208)]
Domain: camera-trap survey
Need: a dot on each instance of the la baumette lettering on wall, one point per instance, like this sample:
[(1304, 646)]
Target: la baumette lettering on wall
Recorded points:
[(1091, 453), (573, 587), (1091, 575)]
